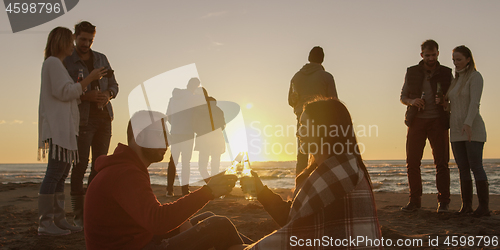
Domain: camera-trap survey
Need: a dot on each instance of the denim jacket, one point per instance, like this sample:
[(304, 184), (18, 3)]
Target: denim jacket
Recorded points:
[(73, 64)]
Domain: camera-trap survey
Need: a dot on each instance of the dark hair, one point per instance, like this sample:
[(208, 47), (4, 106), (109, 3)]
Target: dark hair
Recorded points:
[(316, 55), (58, 40), (84, 26), (193, 84), (331, 114), (429, 44)]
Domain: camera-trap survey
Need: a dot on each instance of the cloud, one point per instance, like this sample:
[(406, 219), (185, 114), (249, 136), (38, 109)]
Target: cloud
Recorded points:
[(2, 122), (213, 14), (217, 44), (16, 122)]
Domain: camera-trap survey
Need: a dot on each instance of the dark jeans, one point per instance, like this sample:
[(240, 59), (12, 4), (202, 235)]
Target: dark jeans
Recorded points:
[(97, 134), (56, 174), (419, 131), (215, 231), (469, 156), (171, 174)]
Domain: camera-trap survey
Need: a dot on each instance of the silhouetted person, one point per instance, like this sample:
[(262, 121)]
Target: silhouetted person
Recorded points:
[(311, 81), (333, 196), (427, 120), (180, 116), (208, 124), (122, 212)]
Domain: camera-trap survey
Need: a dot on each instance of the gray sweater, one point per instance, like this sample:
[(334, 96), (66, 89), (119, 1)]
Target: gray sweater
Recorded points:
[(464, 107)]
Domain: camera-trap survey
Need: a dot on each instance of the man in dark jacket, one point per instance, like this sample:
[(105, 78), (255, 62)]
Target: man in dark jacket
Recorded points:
[(427, 120), (122, 212), (310, 81), (96, 111)]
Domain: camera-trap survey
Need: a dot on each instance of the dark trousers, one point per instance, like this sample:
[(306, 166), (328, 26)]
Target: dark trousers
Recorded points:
[(419, 131), (208, 231), (171, 174), (96, 135)]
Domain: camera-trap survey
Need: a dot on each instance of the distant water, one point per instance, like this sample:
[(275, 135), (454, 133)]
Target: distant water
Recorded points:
[(386, 175)]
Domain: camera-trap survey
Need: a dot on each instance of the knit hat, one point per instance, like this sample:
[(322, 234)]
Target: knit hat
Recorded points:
[(316, 55)]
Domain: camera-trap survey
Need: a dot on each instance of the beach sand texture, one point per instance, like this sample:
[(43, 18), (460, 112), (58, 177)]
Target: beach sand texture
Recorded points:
[(18, 218)]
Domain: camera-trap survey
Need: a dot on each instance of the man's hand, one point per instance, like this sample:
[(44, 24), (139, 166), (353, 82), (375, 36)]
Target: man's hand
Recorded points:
[(95, 96), (417, 102), (107, 96), (222, 184)]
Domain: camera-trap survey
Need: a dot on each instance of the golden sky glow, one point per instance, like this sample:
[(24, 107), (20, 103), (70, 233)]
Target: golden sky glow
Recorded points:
[(247, 51)]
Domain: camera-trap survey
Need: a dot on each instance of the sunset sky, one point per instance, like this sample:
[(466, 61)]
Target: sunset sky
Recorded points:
[(247, 51)]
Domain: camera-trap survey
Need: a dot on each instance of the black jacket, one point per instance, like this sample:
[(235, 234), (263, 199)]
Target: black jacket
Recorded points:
[(413, 88)]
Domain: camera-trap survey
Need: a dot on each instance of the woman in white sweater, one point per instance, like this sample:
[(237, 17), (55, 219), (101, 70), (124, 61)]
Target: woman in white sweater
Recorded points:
[(467, 130), (58, 123)]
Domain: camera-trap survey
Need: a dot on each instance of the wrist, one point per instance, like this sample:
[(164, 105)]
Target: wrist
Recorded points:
[(209, 191), (260, 190)]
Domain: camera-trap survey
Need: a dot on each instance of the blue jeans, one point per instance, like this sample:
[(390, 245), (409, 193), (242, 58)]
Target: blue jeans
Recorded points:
[(97, 134), (56, 174), (469, 156)]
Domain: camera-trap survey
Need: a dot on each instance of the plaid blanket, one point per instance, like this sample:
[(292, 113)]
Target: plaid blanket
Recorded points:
[(334, 203)]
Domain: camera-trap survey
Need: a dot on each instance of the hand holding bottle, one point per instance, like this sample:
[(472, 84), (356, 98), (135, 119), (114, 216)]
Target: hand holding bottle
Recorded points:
[(251, 184), (222, 184)]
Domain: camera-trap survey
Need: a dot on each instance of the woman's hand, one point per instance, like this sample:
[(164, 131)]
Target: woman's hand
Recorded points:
[(257, 182), (468, 130), (97, 74)]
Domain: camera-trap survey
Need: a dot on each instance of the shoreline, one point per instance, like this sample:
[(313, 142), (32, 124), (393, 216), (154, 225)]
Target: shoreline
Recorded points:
[(18, 217)]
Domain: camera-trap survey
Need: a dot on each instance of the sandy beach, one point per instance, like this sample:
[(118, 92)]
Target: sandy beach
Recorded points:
[(18, 219)]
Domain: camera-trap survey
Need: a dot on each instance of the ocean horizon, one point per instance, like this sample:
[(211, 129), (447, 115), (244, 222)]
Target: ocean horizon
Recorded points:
[(386, 175)]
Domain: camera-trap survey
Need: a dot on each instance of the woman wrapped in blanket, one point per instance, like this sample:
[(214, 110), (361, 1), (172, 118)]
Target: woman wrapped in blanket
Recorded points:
[(333, 200)]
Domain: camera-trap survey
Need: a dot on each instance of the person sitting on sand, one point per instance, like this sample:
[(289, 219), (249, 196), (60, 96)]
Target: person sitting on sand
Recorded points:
[(333, 196), (121, 211)]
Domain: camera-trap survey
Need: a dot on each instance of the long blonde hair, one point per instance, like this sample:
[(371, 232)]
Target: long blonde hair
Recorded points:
[(59, 39), (471, 67)]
